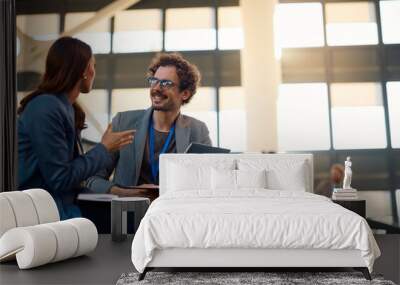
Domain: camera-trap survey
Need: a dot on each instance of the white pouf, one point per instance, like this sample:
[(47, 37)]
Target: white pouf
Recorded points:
[(31, 231)]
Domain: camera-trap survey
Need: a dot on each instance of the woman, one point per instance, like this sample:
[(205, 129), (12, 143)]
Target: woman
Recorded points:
[(49, 125)]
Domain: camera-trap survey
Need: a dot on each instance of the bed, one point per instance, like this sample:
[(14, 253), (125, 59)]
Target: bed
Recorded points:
[(247, 211)]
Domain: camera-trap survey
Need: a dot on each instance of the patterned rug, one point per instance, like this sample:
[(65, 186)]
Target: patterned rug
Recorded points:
[(269, 278)]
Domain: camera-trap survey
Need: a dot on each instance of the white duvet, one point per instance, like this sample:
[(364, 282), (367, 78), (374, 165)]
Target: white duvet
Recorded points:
[(252, 218)]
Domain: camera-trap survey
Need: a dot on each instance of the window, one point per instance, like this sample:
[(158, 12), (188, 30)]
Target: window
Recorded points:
[(130, 99), (393, 92), (299, 25), (137, 31), (230, 32), (190, 29), (98, 35), (390, 17), (358, 120), (41, 27), (232, 118), (96, 114), (203, 107), (346, 27), (303, 122)]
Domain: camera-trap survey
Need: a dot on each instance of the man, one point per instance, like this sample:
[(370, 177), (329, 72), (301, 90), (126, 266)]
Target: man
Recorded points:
[(325, 187), (159, 129)]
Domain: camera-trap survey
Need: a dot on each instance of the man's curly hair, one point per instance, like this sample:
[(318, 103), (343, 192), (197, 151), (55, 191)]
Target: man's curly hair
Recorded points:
[(188, 74)]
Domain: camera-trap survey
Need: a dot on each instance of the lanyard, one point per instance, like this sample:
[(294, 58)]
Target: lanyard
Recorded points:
[(153, 162)]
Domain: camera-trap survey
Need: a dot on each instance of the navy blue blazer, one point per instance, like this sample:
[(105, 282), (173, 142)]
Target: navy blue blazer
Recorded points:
[(47, 155)]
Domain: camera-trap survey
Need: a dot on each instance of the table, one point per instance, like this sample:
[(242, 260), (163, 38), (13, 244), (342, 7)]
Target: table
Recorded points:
[(120, 207), (97, 208), (357, 206), (102, 266)]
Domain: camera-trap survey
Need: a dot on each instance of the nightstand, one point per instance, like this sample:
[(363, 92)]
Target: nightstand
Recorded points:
[(357, 206)]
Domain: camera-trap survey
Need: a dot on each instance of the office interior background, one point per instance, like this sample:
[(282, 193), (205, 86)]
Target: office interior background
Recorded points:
[(319, 77)]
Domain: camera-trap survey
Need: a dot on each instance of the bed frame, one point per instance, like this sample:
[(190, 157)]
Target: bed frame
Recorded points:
[(245, 259), (249, 259)]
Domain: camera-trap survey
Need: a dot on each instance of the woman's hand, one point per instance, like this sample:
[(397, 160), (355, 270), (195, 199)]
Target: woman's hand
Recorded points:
[(116, 140)]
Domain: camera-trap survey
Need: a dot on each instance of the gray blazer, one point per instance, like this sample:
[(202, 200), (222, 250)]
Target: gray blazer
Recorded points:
[(128, 161)]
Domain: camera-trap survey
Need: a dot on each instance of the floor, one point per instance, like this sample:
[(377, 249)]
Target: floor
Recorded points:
[(389, 262), (110, 260)]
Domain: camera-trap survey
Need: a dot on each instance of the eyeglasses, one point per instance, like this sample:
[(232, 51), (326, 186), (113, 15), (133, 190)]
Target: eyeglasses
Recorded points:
[(164, 83)]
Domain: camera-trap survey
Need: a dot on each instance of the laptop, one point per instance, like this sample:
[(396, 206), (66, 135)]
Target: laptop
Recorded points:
[(203, 148)]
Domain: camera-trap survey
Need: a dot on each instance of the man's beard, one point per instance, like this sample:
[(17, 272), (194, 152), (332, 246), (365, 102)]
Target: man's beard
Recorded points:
[(168, 105)]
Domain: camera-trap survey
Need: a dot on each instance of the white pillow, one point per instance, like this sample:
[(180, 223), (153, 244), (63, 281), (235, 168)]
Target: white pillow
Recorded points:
[(183, 177), (282, 174), (223, 179), (186, 174), (251, 178), (237, 179), (293, 179)]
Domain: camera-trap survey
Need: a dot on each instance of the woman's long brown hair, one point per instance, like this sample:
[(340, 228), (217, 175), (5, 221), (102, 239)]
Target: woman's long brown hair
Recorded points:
[(66, 62)]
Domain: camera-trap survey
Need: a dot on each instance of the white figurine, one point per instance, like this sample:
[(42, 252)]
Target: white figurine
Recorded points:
[(348, 173)]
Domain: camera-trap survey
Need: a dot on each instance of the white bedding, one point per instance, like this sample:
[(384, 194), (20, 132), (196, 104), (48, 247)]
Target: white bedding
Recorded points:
[(251, 218)]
